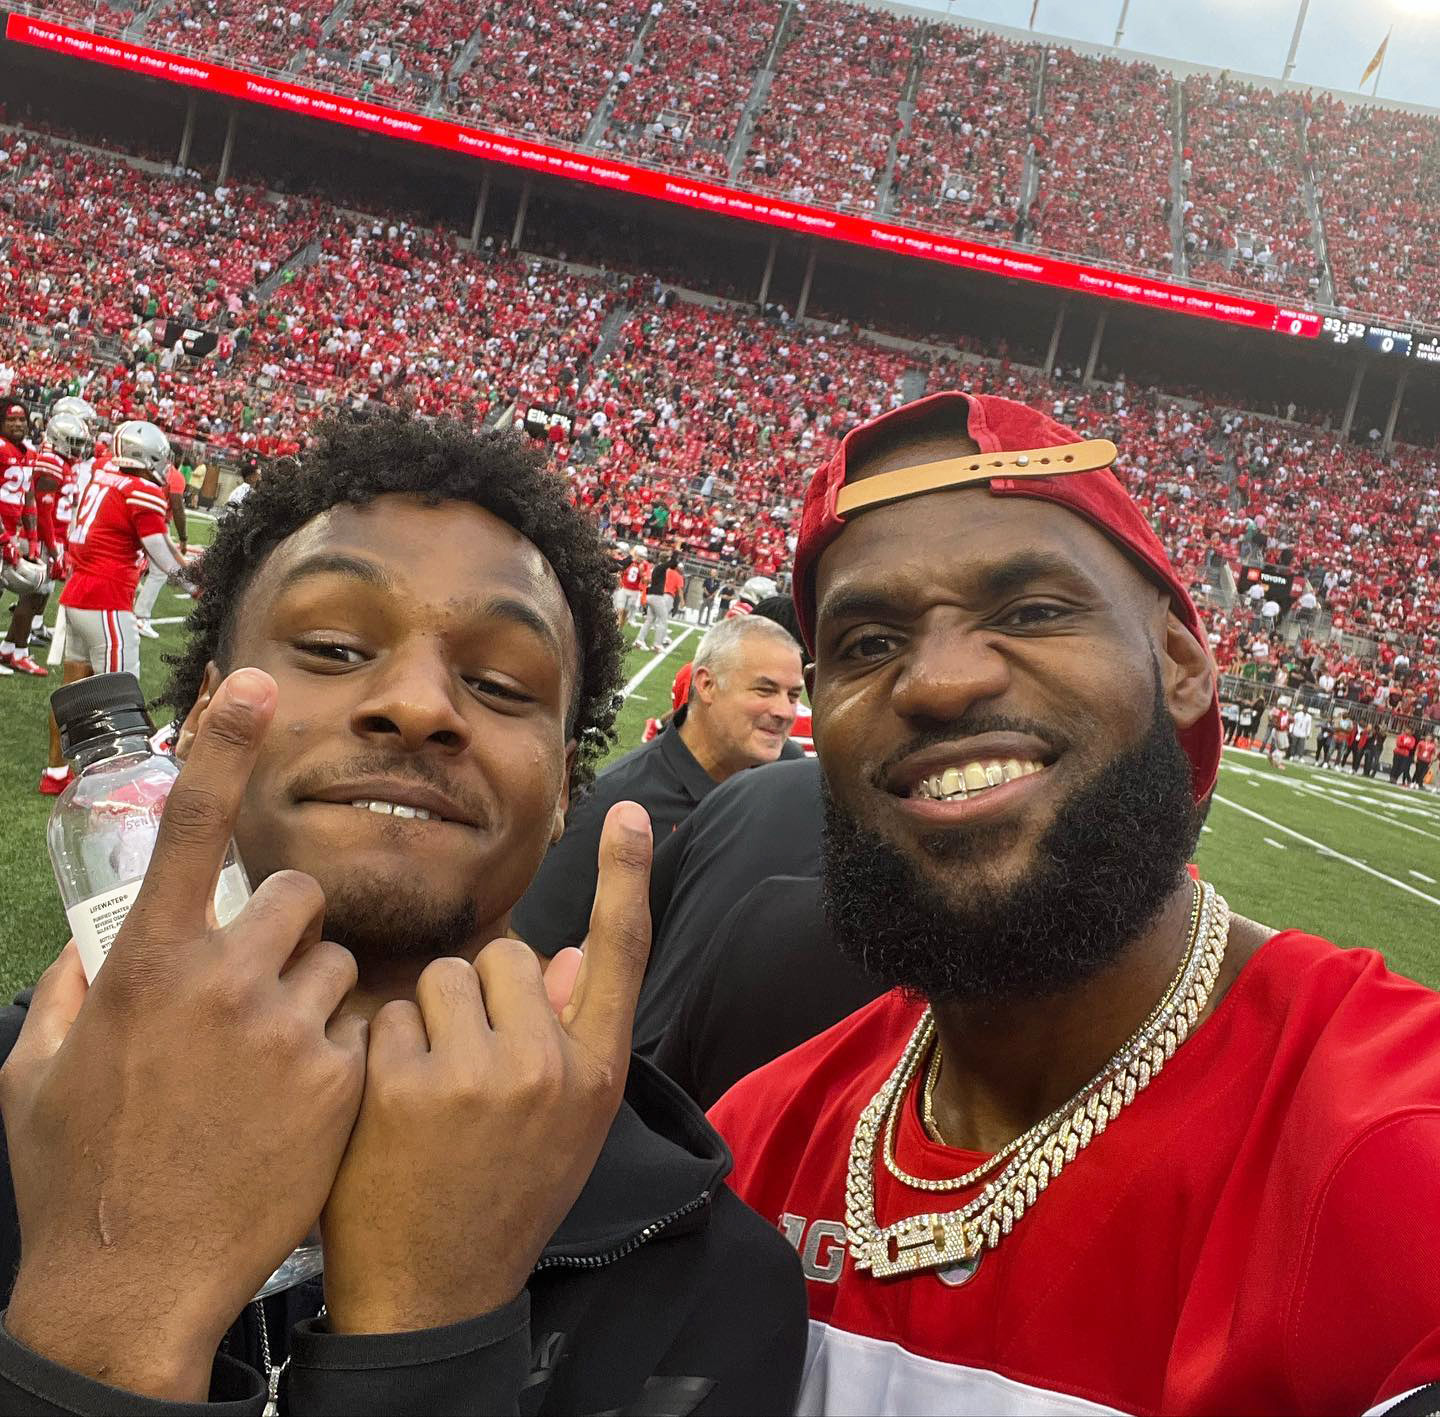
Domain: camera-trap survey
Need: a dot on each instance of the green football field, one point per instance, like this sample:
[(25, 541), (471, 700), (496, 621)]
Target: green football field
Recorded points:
[(1354, 860)]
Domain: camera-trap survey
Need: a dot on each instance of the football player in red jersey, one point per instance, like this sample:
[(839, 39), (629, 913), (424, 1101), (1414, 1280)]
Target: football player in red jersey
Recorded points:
[(17, 526), (119, 522), (66, 437), (14, 484)]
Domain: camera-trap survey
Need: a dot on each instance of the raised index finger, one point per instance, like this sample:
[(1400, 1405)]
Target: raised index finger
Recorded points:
[(200, 813), (601, 1013)]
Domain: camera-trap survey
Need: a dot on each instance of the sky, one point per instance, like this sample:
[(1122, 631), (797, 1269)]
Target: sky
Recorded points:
[(1339, 38)]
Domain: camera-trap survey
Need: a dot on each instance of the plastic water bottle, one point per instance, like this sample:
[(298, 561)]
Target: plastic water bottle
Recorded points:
[(102, 834)]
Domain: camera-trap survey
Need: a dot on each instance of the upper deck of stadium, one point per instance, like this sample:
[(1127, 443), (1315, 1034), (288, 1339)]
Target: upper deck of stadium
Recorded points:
[(1153, 165)]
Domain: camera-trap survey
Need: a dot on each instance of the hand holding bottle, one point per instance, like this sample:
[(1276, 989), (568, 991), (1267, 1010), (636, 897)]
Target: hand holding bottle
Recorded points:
[(175, 1130)]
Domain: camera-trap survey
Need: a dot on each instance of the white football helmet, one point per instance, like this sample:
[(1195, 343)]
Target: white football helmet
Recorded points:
[(758, 588), (82, 410), (26, 577), (69, 435), (141, 447)]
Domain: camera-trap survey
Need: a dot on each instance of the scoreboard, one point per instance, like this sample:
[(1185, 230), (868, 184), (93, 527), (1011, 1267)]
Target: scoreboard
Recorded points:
[(1380, 339)]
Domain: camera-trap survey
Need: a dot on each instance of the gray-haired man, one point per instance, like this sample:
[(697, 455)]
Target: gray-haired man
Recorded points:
[(744, 692)]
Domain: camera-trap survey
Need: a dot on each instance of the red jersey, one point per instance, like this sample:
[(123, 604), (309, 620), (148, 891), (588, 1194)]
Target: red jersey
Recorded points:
[(803, 730), (633, 576), (118, 511), (49, 474), (1255, 1233), (15, 471), (1405, 744), (1425, 750), (65, 502)]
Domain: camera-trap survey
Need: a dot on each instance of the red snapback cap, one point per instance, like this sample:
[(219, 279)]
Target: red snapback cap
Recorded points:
[(1023, 453)]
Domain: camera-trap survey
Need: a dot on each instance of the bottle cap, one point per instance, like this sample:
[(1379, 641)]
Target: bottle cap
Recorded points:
[(102, 706)]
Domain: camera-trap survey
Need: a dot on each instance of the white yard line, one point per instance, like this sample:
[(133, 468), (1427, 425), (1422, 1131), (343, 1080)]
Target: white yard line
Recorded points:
[(1380, 787), (1270, 841), (1421, 876), (661, 655), (1329, 851), (1337, 801)]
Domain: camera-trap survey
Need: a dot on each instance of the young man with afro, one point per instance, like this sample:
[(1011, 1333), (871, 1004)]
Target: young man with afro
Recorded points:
[(402, 663)]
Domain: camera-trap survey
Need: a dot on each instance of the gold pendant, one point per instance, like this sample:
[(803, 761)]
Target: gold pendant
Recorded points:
[(922, 1242)]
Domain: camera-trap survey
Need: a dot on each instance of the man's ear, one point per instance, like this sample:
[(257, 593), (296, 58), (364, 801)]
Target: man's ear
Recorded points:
[(562, 802), (703, 685), (807, 672), (1189, 674), (208, 685)]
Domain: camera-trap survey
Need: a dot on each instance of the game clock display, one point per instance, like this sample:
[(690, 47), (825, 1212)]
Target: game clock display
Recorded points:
[(1383, 339)]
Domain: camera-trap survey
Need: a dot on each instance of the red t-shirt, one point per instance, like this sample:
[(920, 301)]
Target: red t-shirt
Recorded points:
[(1256, 1233), (118, 510), (1405, 744)]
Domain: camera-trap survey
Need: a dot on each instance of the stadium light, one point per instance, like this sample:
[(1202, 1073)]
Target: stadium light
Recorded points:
[(1295, 39)]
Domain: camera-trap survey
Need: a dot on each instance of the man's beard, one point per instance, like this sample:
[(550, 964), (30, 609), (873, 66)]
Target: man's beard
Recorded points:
[(377, 922), (1099, 876)]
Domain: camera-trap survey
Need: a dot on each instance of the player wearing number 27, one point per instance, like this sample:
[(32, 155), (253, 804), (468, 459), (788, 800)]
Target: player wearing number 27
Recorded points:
[(119, 524), (1107, 1147)]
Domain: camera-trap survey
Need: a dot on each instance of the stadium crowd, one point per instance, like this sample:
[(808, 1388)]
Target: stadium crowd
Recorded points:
[(826, 125), (1104, 152), (547, 67), (692, 423), (963, 160), (545, 1071), (1245, 217), (682, 104), (1376, 170), (825, 130)]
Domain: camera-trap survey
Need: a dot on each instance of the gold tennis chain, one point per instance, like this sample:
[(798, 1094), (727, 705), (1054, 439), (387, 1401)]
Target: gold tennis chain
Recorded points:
[(1037, 1156)]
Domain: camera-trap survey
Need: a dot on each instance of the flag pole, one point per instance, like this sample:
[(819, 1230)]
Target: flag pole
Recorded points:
[(1034, 10), (1295, 39)]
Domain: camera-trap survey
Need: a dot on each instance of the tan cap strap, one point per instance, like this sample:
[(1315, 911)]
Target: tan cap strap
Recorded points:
[(979, 467)]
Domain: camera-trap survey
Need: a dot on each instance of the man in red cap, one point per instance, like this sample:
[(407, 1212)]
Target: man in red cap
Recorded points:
[(1104, 1146)]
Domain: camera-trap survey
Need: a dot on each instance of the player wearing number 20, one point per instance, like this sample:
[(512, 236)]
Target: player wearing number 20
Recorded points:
[(402, 662)]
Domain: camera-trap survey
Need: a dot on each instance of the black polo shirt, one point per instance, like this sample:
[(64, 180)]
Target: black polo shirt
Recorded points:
[(770, 978), (664, 778), (761, 823)]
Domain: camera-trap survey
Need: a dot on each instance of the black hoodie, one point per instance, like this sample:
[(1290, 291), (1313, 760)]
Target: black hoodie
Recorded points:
[(660, 1294)]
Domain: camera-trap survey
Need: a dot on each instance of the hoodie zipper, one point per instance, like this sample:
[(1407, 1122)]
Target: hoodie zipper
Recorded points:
[(630, 1245)]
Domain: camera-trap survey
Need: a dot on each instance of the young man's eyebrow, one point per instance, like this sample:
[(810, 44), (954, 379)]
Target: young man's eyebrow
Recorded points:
[(336, 563), (518, 612)]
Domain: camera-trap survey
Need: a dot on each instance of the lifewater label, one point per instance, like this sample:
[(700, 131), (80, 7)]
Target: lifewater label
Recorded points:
[(95, 922)]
